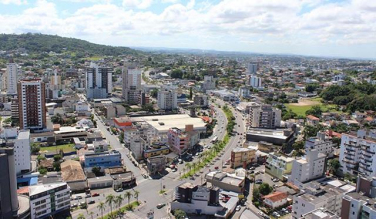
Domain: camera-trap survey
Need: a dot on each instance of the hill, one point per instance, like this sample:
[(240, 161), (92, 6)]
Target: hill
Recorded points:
[(36, 43)]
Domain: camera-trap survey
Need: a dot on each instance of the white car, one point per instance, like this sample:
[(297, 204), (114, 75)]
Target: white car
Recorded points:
[(238, 208)]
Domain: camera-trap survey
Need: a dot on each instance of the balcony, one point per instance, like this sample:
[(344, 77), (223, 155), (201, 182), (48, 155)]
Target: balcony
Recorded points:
[(366, 155), (351, 153), (352, 145), (349, 161)]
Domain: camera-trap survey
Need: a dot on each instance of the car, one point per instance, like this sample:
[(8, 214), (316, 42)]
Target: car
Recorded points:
[(119, 190), (258, 181), (174, 170), (74, 205), (91, 202), (159, 206), (238, 208), (94, 195), (275, 214), (216, 168), (87, 196), (252, 168), (180, 161)]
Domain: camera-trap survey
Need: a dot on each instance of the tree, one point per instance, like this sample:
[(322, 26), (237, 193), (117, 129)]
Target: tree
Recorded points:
[(80, 216), (101, 206), (256, 194), (56, 166), (190, 93), (40, 157), (35, 148), (154, 93), (311, 131), (315, 111), (110, 200), (299, 145), (91, 214), (334, 165), (57, 119), (265, 189), (128, 195), (96, 170), (179, 214), (135, 195), (121, 137), (119, 200), (57, 157)]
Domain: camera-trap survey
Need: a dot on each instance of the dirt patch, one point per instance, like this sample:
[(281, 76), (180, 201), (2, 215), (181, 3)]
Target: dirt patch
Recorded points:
[(305, 102)]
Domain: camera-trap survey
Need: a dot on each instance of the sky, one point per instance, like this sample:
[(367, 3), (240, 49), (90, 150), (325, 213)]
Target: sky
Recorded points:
[(330, 28)]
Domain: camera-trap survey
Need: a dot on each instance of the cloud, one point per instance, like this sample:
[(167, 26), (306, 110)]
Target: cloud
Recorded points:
[(140, 4), (16, 2)]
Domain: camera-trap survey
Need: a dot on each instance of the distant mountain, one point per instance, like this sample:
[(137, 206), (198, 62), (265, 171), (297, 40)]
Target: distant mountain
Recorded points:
[(46, 43)]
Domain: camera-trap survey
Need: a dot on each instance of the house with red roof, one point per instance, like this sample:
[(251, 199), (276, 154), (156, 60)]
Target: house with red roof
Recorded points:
[(275, 199), (312, 120)]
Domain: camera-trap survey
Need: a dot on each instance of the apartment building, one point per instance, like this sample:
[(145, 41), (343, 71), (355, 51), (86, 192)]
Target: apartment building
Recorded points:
[(320, 143), (360, 203), (358, 150), (98, 81), (255, 82), (201, 100), (264, 116), (167, 99), (180, 141), (32, 104), (319, 195), (244, 92), (49, 199), (103, 160), (242, 157), (11, 77), (312, 166), (22, 153), (132, 85), (278, 166), (252, 68), (209, 83)]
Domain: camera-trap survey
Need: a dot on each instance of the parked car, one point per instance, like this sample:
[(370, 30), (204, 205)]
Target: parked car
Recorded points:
[(258, 181), (275, 214), (159, 206), (91, 202), (94, 195), (238, 208), (119, 190)]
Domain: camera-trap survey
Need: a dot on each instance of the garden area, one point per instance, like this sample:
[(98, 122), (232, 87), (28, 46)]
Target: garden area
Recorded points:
[(306, 104), (66, 148)]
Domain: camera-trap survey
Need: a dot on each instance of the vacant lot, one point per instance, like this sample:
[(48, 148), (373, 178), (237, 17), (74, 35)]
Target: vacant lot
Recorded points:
[(305, 104), (64, 147)]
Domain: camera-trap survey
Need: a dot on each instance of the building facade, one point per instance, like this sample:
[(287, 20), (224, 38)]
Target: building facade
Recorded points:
[(49, 199), (103, 160), (201, 100), (167, 99), (11, 77), (132, 85), (357, 154), (209, 83), (242, 157), (22, 153), (32, 104), (98, 81), (252, 68), (308, 168), (278, 166), (264, 116), (320, 143), (180, 141), (255, 81)]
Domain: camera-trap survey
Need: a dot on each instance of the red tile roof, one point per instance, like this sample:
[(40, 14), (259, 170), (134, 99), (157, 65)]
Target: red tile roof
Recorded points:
[(276, 196), (312, 117)]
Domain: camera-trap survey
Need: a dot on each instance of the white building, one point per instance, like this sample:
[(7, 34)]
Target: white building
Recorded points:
[(98, 81), (244, 92), (252, 68), (167, 99), (264, 116), (321, 144), (49, 199), (11, 76), (22, 152), (315, 196), (209, 83), (132, 85), (308, 168), (255, 82), (358, 150)]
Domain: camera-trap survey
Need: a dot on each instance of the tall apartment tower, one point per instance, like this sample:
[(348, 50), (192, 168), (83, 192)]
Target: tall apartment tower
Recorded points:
[(11, 82), (132, 85), (98, 81), (255, 81), (265, 116), (8, 184), (252, 68), (32, 104), (167, 99)]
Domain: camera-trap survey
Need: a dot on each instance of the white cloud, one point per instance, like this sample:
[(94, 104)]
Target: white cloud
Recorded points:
[(16, 2), (140, 4)]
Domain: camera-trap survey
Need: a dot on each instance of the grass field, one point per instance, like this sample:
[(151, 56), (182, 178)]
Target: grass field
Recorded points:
[(95, 58), (301, 108), (64, 147)]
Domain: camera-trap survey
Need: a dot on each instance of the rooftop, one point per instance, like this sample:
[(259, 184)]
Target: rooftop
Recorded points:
[(276, 196), (34, 190), (71, 170), (164, 122), (279, 133)]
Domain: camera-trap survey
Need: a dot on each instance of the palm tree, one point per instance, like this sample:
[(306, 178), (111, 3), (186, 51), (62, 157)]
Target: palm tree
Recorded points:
[(119, 199), (128, 195), (91, 214), (188, 166), (135, 194), (194, 165), (81, 216), (101, 206), (109, 200), (184, 170)]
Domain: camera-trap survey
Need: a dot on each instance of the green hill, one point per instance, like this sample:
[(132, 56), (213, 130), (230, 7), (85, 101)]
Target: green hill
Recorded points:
[(36, 43)]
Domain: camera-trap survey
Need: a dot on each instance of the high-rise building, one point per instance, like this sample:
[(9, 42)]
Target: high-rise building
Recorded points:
[(11, 84), (209, 83), (22, 152), (252, 68), (167, 99), (312, 166), (357, 154), (8, 184), (32, 104), (49, 199), (98, 81), (265, 116), (132, 85), (321, 143), (255, 81)]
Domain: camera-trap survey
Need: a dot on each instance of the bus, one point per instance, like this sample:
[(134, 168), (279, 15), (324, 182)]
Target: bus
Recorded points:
[(215, 139)]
